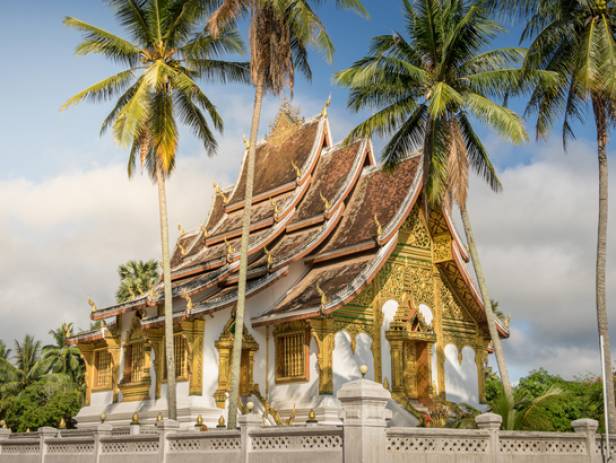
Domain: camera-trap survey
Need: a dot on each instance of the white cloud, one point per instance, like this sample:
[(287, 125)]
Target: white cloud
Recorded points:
[(537, 240)]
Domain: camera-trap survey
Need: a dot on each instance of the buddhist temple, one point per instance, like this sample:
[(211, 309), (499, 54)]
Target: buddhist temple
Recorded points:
[(345, 270)]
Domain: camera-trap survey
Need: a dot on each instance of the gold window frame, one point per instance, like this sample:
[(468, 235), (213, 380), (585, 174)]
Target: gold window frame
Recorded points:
[(302, 336), (108, 384)]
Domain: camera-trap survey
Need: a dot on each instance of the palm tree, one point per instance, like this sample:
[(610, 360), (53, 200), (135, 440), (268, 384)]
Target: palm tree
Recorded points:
[(5, 364), (163, 58), (62, 358), (28, 367), (280, 31), (136, 279), (426, 91), (575, 38)]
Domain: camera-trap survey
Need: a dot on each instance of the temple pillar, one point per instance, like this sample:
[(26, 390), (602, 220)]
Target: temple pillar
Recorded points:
[(324, 332), (480, 361)]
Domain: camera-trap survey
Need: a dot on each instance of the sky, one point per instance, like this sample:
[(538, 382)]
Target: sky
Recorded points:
[(69, 215)]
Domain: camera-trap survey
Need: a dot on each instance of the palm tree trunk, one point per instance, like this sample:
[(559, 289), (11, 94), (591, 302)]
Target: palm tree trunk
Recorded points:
[(601, 122), (164, 238), (236, 356), (491, 318)]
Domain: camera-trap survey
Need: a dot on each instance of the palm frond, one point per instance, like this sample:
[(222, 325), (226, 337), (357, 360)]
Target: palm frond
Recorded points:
[(102, 90)]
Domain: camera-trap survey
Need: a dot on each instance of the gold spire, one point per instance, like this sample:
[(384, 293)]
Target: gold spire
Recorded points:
[(62, 424), (328, 102), (379, 227), (326, 202), (221, 422)]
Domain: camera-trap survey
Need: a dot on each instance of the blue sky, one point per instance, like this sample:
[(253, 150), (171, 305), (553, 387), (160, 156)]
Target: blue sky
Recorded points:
[(69, 216)]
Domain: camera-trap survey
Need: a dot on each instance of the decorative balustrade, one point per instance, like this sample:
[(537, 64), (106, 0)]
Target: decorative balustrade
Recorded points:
[(363, 438)]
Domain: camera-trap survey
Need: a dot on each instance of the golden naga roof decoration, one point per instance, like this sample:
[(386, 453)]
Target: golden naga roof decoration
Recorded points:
[(276, 207), (270, 258), (230, 248), (246, 142), (323, 296), (189, 303), (92, 305), (181, 230), (218, 190), (183, 250), (296, 169), (204, 231), (326, 202), (379, 227)]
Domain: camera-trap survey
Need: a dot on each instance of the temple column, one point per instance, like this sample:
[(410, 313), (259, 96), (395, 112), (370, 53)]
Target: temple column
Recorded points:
[(480, 361), (195, 361), (324, 332), (155, 339)]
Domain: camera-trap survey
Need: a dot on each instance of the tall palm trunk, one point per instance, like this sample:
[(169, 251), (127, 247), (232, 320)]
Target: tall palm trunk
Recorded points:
[(599, 110), (164, 238), (241, 290), (491, 318)]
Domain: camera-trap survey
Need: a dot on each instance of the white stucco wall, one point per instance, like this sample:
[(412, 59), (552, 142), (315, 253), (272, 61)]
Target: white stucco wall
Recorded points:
[(461, 381), (346, 363)]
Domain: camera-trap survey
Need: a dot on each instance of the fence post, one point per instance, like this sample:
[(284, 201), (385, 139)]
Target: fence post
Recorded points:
[(165, 427), (492, 423), (589, 428), (44, 434), (5, 433), (102, 430), (247, 423), (365, 418)]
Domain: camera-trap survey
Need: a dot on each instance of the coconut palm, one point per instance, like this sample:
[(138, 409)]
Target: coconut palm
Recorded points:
[(576, 39), (136, 279), (428, 91), (163, 58), (27, 367), (5, 363), (280, 32), (62, 358)]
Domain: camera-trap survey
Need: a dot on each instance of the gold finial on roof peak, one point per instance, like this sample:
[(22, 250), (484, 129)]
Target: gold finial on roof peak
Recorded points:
[(326, 106), (181, 230), (92, 305), (219, 192)]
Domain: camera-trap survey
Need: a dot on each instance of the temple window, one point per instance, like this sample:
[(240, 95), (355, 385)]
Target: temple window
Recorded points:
[(134, 363), (292, 353), (180, 355), (102, 365)]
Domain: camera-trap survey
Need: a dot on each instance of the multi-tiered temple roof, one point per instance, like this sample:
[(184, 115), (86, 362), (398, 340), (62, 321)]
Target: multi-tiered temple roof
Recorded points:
[(330, 207)]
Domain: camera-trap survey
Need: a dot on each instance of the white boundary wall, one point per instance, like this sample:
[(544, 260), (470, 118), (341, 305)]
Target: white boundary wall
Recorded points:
[(363, 438)]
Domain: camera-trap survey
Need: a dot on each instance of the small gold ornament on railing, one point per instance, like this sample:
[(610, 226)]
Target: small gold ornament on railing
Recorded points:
[(28, 430), (312, 417), (363, 370), (200, 424), (62, 424), (3, 424), (135, 419), (291, 419), (250, 406), (221, 422), (159, 418), (103, 417)]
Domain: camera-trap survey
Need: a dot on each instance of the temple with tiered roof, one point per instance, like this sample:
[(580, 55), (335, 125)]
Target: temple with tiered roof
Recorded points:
[(345, 270)]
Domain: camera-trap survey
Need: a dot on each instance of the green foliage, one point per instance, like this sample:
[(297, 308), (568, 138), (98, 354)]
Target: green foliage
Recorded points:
[(42, 403), (62, 358), (167, 52), (136, 279), (546, 402)]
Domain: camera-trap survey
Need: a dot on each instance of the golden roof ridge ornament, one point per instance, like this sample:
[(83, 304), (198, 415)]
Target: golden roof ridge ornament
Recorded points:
[(182, 249), (326, 106), (270, 257), (181, 230), (276, 207), (326, 202), (246, 142), (92, 305), (204, 231), (379, 227), (230, 248), (189, 303), (219, 192), (298, 171), (324, 300)]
